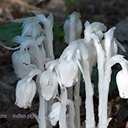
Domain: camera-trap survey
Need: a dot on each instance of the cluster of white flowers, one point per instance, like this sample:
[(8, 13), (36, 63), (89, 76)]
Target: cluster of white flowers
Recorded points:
[(54, 77)]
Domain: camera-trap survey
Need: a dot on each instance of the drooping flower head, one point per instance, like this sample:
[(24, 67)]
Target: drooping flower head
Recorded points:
[(72, 27), (26, 90)]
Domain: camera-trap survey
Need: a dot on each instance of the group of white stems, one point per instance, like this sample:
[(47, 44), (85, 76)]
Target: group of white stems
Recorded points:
[(58, 80)]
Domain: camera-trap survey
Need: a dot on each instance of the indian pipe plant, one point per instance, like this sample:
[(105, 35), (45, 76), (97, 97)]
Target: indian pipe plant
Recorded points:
[(57, 81)]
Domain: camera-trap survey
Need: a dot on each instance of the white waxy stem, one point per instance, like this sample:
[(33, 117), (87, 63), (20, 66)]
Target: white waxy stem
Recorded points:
[(54, 113), (25, 92), (72, 27), (48, 86), (90, 119), (48, 30), (40, 43), (101, 70), (71, 114), (63, 99)]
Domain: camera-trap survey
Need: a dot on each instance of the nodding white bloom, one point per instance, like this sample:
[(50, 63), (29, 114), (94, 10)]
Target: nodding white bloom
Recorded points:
[(122, 80), (96, 28), (21, 62), (54, 113), (47, 21), (48, 85), (32, 48), (81, 51), (26, 89), (72, 27), (67, 72), (31, 27), (25, 92)]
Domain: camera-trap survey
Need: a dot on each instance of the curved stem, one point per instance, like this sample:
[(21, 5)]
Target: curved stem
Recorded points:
[(104, 75), (90, 119), (63, 98), (77, 102), (71, 114)]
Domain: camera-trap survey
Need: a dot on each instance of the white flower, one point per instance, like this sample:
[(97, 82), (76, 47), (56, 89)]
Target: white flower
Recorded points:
[(72, 27), (67, 72), (32, 48), (25, 92), (32, 28), (21, 62), (26, 89), (54, 113), (47, 21), (96, 28), (110, 45), (122, 81), (48, 84)]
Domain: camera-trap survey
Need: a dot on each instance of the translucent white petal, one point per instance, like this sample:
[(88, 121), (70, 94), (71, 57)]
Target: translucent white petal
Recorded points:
[(122, 84), (96, 28), (25, 92), (68, 72), (32, 29), (51, 64), (48, 84), (54, 113), (21, 62), (66, 31), (72, 27), (109, 44), (51, 19)]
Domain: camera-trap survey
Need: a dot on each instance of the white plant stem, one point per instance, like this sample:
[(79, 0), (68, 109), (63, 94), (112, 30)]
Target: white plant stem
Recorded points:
[(103, 91), (103, 118), (90, 119), (42, 113), (71, 114), (49, 43), (63, 98), (77, 102), (70, 93)]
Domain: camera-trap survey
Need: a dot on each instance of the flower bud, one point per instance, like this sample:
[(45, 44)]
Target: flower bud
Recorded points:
[(72, 27), (32, 28), (96, 28), (67, 72), (48, 84), (20, 61), (25, 92), (122, 83), (54, 113)]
